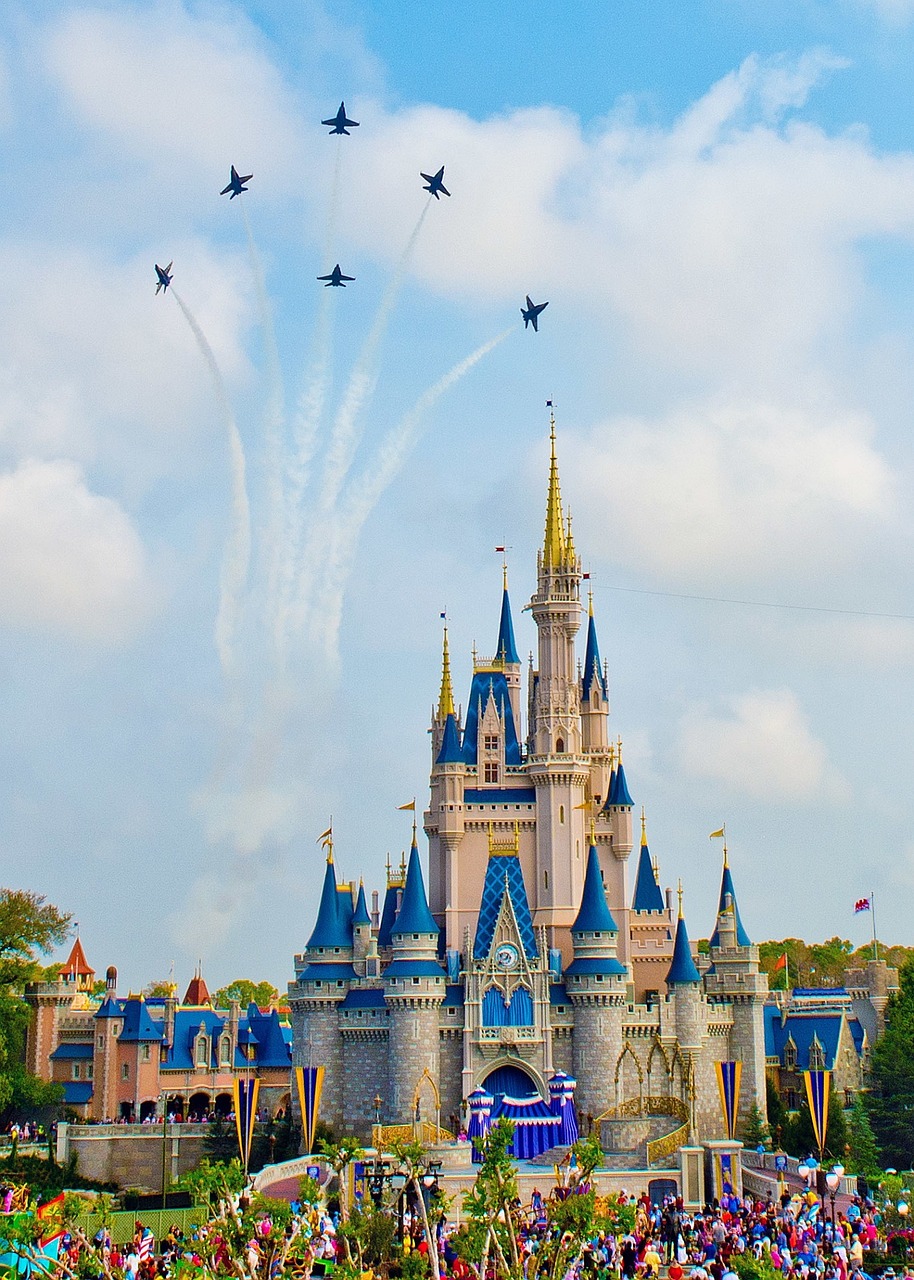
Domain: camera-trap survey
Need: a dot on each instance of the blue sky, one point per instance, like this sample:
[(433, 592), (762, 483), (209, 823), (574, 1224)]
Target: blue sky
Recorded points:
[(718, 201)]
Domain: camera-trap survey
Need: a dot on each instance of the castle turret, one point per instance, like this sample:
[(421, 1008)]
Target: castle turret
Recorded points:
[(596, 984), (361, 928), (414, 983), (617, 813), (736, 978), (557, 767), (595, 705), (322, 978), (684, 983), (506, 651), (444, 822)]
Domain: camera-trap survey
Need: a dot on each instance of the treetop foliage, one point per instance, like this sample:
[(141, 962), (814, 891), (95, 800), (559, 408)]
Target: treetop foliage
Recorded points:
[(29, 926)]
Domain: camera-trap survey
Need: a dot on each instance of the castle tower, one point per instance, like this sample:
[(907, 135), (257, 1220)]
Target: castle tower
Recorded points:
[(506, 651), (322, 978), (557, 766), (46, 1001), (414, 984), (361, 929), (651, 928), (736, 978), (596, 984), (445, 822), (617, 813), (684, 985)]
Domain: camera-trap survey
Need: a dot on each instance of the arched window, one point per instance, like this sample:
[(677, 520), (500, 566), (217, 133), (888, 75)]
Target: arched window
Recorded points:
[(790, 1055), (225, 1052), (493, 1008), (201, 1052), (562, 813), (560, 745), (520, 1010)]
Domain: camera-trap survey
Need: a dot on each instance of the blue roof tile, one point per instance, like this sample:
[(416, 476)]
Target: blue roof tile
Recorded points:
[(388, 915), (486, 683), (499, 795), (138, 1025), (593, 671), (413, 969), (502, 869), (361, 998), (77, 1092), (361, 916), (450, 751), (593, 966), (506, 650), (72, 1052), (329, 928), (414, 915)]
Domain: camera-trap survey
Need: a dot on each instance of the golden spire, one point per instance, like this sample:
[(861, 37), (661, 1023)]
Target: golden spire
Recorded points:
[(679, 892), (570, 556), (446, 696), (590, 602), (643, 827), (554, 550)]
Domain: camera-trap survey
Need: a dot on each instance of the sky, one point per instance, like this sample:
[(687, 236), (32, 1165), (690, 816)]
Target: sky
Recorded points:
[(232, 515)]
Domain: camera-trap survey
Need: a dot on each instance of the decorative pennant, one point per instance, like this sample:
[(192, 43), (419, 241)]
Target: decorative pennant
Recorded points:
[(729, 1075), (818, 1085), (310, 1081), (245, 1092)]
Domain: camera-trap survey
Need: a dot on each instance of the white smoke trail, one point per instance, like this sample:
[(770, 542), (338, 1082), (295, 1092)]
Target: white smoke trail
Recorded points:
[(345, 434), (274, 418), (363, 493), (236, 564)]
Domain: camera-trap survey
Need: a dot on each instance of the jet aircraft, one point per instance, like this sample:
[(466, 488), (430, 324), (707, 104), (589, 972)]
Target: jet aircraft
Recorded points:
[(335, 278), (531, 311), (164, 277), (339, 122), (236, 184), (435, 183)]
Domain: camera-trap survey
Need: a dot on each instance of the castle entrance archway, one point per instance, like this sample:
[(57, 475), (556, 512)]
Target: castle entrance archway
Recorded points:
[(511, 1080)]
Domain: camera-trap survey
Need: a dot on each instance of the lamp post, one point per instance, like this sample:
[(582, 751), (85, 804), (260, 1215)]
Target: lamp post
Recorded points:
[(398, 1183), (377, 1102), (163, 1102), (833, 1182)]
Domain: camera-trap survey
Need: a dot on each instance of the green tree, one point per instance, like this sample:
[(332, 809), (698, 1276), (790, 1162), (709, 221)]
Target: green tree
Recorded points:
[(891, 1098), (864, 1149), (158, 989), (412, 1158), (246, 992), (490, 1207), (340, 1155), (754, 1132)]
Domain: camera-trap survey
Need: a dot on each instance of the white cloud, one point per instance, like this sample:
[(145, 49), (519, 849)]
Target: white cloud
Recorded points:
[(72, 562), (894, 13), (179, 90), (725, 492), (761, 746)]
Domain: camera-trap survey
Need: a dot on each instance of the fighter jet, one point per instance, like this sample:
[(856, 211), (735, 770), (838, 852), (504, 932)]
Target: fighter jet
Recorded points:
[(339, 122), (335, 278), (435, 183), (531, 311), (164, 277), (236, 184)]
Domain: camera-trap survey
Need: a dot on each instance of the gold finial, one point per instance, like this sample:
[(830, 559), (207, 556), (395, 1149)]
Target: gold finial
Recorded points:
[(504, 574), (388, 866), (590, 602), (679, 892), (612, 756), (325, 840), (726, 859), (414, 822), (554, 550), (446, 696), (570, 556), (643, 827), (593, 830), (619, 750)]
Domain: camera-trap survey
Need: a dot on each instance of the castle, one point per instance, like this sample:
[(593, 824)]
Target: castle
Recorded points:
[(530, 953)]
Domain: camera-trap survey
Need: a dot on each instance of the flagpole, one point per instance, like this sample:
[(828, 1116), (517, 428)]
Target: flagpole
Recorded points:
[(873, 914)]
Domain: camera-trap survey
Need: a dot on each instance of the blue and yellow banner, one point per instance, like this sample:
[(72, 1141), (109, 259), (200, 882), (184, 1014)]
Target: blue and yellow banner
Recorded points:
[(818, 1085), (245, 1093), (729, 1075), (310, 1081)]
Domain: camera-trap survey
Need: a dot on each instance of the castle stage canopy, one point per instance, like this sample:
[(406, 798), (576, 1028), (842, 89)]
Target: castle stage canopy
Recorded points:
[(536, 1129)]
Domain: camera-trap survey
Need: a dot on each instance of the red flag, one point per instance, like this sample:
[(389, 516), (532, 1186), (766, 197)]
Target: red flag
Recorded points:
[(781, 963)]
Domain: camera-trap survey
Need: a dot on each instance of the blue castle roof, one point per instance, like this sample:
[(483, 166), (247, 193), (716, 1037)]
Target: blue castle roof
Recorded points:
[(361, 916), (486, 684), (503, 870), (618, 789), (138, 1025), (726, 887), (683, 969), (594, 915), (804, 1029), (506, 650), (593, 671), (388, 915), (450, 751), (648, 895), (414, 915), (595, 964), (329, 928)]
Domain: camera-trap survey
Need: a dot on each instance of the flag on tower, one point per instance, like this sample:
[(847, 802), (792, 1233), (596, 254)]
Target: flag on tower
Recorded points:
[(325, 836), (781, 963), (411, 805), (717, 835), (862, 904)]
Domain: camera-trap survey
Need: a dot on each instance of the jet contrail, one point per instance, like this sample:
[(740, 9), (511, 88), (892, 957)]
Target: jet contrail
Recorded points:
[(238, 552), (344, 436), (363, 493), (273, 424)]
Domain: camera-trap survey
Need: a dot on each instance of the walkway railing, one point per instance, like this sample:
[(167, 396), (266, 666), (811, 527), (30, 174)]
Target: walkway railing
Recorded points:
[(648, 1105)]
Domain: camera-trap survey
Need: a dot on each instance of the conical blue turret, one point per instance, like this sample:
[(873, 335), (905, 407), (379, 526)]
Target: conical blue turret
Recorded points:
[(506, 650), (648, 896), (594, 915), (450, 752), (727, 890), (414, 915), (329, 929), (361, 916), (593, 670), (618, 789), (683, 969)]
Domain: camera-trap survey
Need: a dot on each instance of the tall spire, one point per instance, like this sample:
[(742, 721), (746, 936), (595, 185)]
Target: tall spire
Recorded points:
[(414, 915), (682, 970), (506, 649), (728, 902), (648, 896), (446, 696), (329, 929), (594, 915), (554, 549), (593, 668)]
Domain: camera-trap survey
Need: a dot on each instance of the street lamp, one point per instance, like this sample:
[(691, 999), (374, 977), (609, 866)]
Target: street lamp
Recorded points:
[(833, 1182), (398, 1183)]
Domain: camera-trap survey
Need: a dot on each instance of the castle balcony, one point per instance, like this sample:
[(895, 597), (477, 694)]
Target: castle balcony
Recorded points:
[(494, 1040)]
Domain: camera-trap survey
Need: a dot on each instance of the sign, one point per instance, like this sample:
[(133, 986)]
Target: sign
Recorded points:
[(780, 1164), (314, 1171)]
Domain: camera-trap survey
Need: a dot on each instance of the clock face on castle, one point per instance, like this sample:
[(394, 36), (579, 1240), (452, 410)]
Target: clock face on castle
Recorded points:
[(506, 957)]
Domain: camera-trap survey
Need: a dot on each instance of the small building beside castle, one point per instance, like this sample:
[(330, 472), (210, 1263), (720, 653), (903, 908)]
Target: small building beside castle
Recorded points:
[(126, 1058), (530, 950)]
